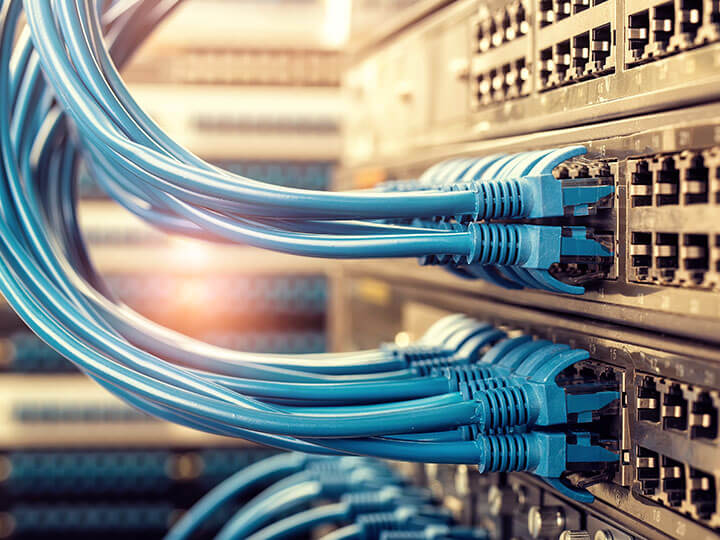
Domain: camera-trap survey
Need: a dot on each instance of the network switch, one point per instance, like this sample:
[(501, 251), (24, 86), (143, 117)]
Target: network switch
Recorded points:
[(483, 70), (664, 429), (662, 221)]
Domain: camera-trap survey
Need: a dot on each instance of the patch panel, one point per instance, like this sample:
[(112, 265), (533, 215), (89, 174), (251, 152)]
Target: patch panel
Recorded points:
[(67, 411), (231, 294), (136, 520)]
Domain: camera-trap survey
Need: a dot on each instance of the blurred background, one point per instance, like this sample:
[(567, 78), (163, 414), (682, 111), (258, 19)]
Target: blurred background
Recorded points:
[(252, 86)]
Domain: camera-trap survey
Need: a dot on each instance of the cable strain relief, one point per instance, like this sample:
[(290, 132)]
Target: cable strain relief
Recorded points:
[(501, 407), (434, 366), (375, 523), (494, 243), (496, 198), (503, 453), (363, 502), (471, 377)]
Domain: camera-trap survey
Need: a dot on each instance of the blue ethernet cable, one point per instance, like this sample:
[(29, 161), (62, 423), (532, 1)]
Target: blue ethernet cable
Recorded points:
[(38, 279), (350, 505), (259, 473), (294, 495), (371, 526)]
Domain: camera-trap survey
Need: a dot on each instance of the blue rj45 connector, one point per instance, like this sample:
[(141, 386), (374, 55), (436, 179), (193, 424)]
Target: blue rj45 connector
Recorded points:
[(518, 255)]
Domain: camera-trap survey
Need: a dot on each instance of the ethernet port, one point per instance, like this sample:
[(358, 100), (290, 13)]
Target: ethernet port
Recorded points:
[(508, 26), (498, 83), (484, 35), (663, 25), (601, 47), (695, 256), (641, 254), (640, 183), (522, 76), (547, 15), (703, 418), (547, 66), (690, 18), (580, 5), (674, 409), (563, 9), (702, 493), (665, 252), (647, 470), (695, 180), (648, 400), (498, 29), (638, 32), (521, 20), (562, 59), (667, 182), (580, 54), (673, 481)]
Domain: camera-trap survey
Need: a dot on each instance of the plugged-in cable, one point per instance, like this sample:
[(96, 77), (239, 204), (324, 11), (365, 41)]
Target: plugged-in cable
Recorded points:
[(63, 106)]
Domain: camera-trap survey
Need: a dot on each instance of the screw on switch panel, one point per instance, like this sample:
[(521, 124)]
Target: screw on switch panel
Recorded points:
[(544, 521)]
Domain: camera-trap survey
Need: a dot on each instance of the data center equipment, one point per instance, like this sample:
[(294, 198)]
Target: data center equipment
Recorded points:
[(547, 365), (635, 84)]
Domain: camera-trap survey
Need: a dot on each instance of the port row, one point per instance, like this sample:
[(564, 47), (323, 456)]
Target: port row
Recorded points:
[(675, 484), (584, 56), (503, 26), (665, 258), (683, 178), (509, 81), (550, 11), (671, 27), (678, 407)]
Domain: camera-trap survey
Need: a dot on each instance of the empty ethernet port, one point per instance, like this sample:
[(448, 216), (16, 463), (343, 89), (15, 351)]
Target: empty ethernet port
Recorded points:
[(640, 183), (547, 16), (674, 409), (547, 66), (580, 5), (647, 470), (691, 17), (695, 256), (648, 400), (522, 77), (665, 253), (638, 33), (580, 54), (563, 9), (703, 417), (702, 493), (562, 60), (667, 181), (673, 481), (485, 31), (663, 25), (641, 254), (695, 179), (521, 20), (601, 47)]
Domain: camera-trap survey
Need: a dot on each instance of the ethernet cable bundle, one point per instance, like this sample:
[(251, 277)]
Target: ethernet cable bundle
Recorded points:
[(466, 393), (361, 498)]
